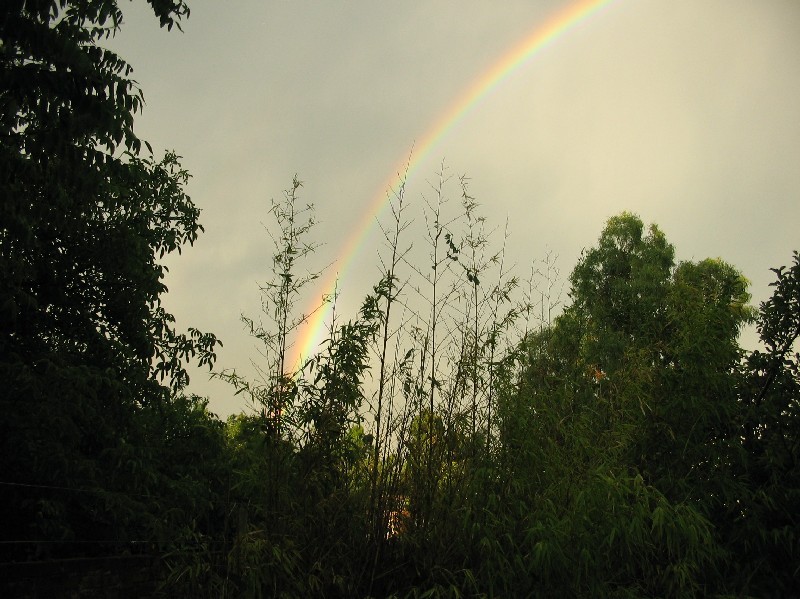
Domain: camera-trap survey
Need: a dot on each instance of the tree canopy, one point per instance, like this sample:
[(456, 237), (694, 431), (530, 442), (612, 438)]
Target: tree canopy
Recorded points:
[(87, 353)]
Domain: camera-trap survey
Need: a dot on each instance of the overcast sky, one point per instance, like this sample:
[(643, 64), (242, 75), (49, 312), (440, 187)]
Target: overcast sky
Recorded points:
[(684, 112)]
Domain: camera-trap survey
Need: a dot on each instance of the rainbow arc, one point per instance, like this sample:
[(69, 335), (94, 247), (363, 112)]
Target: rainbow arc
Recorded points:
[(543, 35)]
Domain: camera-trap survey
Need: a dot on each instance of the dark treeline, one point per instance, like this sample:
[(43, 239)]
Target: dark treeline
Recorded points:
[(467, 433)]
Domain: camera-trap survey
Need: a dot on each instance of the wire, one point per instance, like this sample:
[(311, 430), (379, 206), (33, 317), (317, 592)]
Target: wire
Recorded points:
[(154, 543), (52, 542), (32, 486), (76, 490)]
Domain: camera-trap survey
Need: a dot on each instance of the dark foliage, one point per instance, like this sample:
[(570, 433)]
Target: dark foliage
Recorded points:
[(90, 363)]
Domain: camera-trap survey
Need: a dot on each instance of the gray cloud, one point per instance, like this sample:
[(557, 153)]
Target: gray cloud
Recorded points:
[(685, 113)]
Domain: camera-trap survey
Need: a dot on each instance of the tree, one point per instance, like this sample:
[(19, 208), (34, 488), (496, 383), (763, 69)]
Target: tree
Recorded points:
[(661, 341), (765, 530), (86, 349), (626, 415), (620, 287)]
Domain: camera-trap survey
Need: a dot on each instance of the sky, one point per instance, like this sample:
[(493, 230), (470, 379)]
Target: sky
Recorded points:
[(685, 113)]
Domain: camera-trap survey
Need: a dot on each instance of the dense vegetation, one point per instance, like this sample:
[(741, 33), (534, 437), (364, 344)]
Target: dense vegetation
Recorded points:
[(467, 433)]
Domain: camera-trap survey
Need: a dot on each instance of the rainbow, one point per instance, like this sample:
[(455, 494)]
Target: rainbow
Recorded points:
[(311, 334)]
